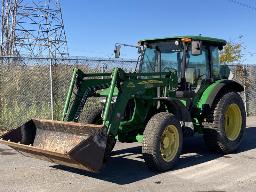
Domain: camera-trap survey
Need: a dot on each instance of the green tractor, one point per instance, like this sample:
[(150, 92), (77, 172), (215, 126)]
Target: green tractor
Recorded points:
[(177, 90)]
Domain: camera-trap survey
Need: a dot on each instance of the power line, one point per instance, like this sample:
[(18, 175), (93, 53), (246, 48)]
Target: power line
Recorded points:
[(245, 5)]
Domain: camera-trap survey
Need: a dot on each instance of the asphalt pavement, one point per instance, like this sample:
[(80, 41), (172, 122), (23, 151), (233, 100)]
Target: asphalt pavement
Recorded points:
[(198, 170)]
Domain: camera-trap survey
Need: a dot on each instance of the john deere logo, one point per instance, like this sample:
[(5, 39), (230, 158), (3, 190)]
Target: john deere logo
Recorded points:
[(150, 82)]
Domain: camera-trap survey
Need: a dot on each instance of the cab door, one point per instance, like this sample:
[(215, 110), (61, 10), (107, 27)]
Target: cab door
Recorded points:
[(197, 69)]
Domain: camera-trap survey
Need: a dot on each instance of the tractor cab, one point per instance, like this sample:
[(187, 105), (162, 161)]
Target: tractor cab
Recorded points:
[(195, 59)]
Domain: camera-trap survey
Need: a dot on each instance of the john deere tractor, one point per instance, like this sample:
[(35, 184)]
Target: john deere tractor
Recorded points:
[(177, 90)]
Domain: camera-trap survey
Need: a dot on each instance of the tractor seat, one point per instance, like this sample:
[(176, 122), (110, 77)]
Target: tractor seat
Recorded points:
[(191, 75)]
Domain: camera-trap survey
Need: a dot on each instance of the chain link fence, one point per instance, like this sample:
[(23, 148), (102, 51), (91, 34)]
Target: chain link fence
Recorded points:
[(246, 75), (37, 87)]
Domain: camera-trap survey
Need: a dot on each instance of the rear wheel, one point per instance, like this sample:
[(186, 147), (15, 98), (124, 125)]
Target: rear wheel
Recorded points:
[(162, 143), (226, 131)]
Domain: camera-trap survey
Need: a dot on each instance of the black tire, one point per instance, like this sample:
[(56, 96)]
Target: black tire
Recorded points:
[(152, 141), (92, 115), (215, 136)]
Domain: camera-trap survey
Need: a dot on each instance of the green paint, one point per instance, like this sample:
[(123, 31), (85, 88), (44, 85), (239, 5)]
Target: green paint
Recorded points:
[(105, 92), (206, 94), (110, 95), (139, 138), (69, 94), (184, 102)]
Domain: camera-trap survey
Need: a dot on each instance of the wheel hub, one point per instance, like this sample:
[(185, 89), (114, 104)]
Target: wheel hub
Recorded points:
[(166, 142), (233, 122), (169, 143)]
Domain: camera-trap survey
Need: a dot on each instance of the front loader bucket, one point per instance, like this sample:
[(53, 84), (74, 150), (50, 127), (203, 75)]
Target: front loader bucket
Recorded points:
[(72, 144)]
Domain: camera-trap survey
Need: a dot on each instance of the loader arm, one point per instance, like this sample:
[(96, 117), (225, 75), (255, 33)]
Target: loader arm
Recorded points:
[(129, 85), (87, 85)]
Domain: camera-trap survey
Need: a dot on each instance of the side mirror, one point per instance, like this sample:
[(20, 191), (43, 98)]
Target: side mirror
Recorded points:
[(196, 48), (117, 51)]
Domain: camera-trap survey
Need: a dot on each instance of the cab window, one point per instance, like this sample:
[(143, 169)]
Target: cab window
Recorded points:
[(215, 62), (197, 67)]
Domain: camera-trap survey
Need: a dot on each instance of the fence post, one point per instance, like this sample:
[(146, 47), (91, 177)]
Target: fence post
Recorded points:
[(1, 98), (103, 69), (244, 84), (51, 88)]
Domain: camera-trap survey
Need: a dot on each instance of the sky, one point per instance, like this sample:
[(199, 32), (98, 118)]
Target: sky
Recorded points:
[(94, 26)]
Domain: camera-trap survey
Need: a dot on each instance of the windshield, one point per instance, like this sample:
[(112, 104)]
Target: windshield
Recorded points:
[(170, 55)]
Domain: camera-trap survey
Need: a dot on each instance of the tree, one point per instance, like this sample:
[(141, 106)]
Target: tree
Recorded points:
[(232, 52)]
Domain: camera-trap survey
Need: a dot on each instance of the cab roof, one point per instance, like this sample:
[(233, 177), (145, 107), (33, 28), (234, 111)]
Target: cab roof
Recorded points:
[(209, 40)]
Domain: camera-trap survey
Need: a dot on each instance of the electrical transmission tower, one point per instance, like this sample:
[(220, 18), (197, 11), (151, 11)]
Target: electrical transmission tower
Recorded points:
[(33, 28)]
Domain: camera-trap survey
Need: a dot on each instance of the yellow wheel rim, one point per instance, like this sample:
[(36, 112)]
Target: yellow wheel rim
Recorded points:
[(169, 143), (233, 122)]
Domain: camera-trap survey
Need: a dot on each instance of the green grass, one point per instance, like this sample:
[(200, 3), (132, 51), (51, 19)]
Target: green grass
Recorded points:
[(15, 114)]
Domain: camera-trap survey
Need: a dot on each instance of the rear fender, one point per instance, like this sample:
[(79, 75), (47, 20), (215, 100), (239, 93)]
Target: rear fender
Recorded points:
[(215, 91)]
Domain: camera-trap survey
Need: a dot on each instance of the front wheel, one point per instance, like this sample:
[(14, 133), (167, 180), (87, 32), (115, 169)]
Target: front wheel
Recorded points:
[(162, 143), (92, 115)]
